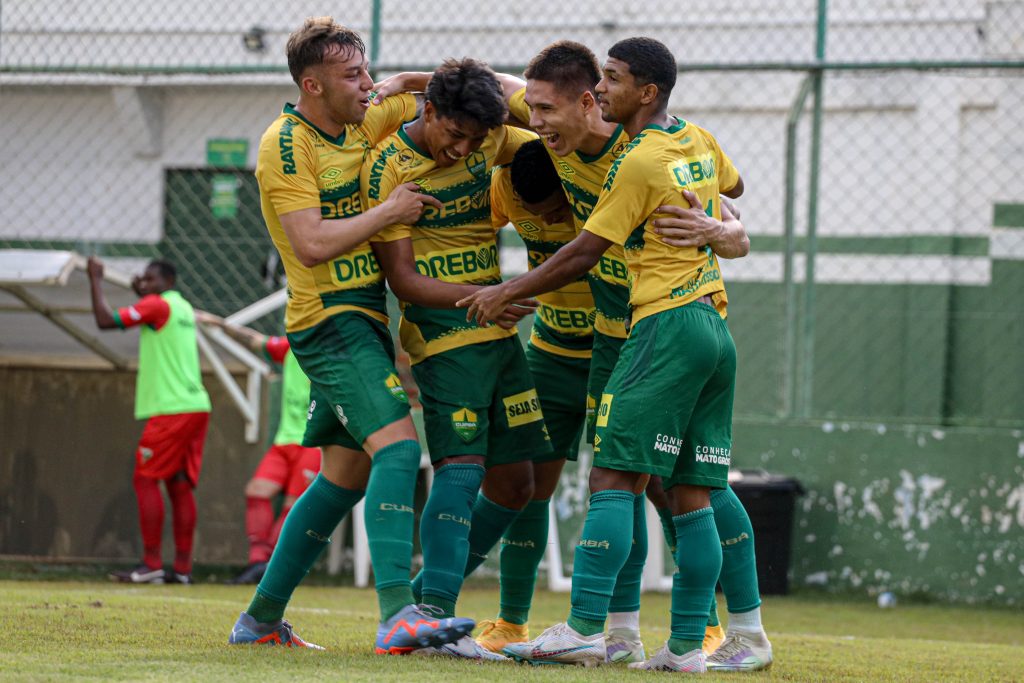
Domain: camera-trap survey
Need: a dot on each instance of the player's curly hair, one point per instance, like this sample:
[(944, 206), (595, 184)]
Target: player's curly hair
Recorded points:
[(533, 176), (649, 62), (310, 44), (165, 268), (569, 65), (467, 89)]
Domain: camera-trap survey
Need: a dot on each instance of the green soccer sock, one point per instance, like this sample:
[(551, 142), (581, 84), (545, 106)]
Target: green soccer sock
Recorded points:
[(490, 521), (444, 533), (626, 596), (389, 522), (602, 551), (739, 564), (699, 558), (668, 527), (306, 532), (522, 549)]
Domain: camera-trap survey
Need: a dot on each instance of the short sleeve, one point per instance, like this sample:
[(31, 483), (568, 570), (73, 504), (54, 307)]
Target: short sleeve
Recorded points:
[(517, 106), (277, 348), (514, 138), (501, 195), (149, 310), (377, 181), (626, 201), (384, 119), (286, 169)]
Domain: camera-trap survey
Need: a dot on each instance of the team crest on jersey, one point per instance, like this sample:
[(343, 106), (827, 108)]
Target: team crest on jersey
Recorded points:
[(465, 424), (394, 386), (405, 157), (476, 164), (619, 149)]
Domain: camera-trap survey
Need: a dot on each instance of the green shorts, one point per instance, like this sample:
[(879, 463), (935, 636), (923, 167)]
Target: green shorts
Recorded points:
[(562, 388), (667, 409), (350, 361), (480, 400), (605, 356)]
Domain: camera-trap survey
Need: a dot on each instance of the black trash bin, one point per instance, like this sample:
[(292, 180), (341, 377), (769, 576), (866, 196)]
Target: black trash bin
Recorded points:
[(770, 500)]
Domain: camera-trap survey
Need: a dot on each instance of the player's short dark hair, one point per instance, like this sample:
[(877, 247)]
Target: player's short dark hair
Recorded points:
[(533, 175), (165, 268), (310, 44), (466, 89), (569, 66), (649, 62)]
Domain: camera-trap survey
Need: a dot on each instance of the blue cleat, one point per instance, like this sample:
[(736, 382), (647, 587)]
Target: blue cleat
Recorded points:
[(248, 631), (414, 627)]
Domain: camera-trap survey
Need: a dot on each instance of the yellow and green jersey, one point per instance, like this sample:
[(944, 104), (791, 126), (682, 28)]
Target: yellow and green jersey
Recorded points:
[(301, 167), (564, 321), (582, 177), (455, 243), (652, 171)]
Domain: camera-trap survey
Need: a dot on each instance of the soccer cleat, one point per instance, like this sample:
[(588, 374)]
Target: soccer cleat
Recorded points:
[(140, 574), (498, 634), (252, 573), (741, 651), (248, 631), (693, 662), (560, 644), (623, 646), (463, 648), (175, 577), (415, 627), (713, 637)]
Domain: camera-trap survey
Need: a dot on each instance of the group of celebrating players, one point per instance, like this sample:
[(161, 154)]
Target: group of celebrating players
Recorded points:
[(620, 206)]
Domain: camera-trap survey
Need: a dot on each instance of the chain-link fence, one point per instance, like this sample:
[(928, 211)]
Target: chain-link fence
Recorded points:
[(879, 141)]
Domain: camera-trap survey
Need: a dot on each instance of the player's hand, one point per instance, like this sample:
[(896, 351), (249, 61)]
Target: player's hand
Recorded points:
[(94, 267), (406, 203), (730, 206), (516, 311), (399, 83), (485, 305), (687, 227), (207, 318)]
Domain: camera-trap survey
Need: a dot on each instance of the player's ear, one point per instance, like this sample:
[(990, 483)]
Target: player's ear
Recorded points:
[(648, 94), (309, 83), (587, 101), (428, 112)]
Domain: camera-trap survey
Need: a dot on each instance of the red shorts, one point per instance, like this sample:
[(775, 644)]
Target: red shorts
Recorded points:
[(291, 466), (172, 444)]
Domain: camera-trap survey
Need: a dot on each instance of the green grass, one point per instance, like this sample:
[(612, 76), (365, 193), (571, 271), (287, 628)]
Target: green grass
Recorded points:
[(102, 631)]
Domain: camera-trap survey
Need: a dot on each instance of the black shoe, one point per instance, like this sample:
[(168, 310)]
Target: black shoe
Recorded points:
[(175, 577), (251, 574), (141, 574)]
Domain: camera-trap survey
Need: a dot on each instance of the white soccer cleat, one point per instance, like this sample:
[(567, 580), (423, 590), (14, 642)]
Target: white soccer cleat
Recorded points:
[(560, 644), (693, 662), (742, 651), (463, 648), (623, 646)]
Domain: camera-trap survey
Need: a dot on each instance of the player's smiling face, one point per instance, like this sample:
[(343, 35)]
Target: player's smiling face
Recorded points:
[(553, 210), (345, 85), (618, 93), (448, 139), (559, 118)]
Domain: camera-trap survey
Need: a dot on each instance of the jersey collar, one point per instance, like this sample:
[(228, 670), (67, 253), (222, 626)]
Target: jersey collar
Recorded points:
[(290, 109), (680, 124), (404, 137), (612, 139)]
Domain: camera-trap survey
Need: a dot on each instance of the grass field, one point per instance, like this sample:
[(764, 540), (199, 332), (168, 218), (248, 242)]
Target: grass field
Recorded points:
[(103, 631)]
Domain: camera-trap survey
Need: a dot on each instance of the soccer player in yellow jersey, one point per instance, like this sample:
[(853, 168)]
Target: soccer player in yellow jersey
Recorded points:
[(308, 172), (667, 409), (479, 403)]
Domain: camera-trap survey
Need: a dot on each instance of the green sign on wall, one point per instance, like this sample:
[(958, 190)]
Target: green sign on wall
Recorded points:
[(224, 196), (227, 152)]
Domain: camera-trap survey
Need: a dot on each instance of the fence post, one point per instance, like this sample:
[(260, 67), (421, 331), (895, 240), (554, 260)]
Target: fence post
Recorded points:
[(818, 78)]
